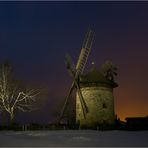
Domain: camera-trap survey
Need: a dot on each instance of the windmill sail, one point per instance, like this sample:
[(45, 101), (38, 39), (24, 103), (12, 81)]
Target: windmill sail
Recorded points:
[(86, 48)]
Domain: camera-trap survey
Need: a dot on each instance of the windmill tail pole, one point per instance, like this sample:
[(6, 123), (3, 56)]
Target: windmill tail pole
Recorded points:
[(83, 104), (73, 74), (66, 101)]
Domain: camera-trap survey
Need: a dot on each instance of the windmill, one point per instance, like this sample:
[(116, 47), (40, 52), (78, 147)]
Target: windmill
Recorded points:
[(77, 70)]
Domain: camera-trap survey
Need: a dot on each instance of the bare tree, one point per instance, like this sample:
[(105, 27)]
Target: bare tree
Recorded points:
[(12, 95)]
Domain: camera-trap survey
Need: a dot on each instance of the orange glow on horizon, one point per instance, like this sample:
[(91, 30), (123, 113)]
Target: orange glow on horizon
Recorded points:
[(130, 101)]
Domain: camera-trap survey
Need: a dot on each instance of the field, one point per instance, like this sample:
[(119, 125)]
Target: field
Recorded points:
[(74, 138)]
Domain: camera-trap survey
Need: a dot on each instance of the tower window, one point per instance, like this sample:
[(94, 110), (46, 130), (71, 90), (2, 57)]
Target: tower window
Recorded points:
[(104, 105)]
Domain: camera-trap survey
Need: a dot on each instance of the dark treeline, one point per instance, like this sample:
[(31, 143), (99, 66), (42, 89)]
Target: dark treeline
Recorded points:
[(131, 124)]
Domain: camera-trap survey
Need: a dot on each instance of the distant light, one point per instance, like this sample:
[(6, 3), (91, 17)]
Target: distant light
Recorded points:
[(92, 62)]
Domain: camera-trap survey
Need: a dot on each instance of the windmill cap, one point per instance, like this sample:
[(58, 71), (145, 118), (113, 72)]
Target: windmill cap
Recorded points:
[(95, 76)]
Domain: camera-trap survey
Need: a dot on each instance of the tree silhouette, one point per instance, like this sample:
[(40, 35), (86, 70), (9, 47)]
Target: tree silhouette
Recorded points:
[(12, 95), (108, 69)]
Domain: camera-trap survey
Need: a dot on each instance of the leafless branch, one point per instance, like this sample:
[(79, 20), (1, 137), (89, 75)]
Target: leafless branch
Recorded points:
[(12, 96)]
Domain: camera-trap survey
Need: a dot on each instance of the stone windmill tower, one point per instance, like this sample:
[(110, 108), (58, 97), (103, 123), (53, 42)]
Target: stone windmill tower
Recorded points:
[(97, 90), (94, 90)]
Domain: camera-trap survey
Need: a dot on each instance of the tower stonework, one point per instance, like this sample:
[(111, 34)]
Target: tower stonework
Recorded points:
[(97, 92)]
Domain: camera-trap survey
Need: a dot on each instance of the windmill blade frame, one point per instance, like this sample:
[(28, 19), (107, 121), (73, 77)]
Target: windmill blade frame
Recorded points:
[(85, 51), (83, 104), (81, 62)]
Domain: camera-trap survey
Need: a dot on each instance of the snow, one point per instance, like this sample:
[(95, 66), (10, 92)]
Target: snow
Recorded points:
[(74, 138)]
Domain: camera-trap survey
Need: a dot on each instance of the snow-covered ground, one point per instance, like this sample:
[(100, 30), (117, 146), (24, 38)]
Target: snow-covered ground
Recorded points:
[(82, 138)]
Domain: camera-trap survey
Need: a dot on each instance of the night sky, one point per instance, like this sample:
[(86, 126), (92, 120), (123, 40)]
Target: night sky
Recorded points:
[(35, 36)]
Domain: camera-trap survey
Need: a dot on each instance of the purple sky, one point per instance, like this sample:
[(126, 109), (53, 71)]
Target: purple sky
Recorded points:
[(35, 36)]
